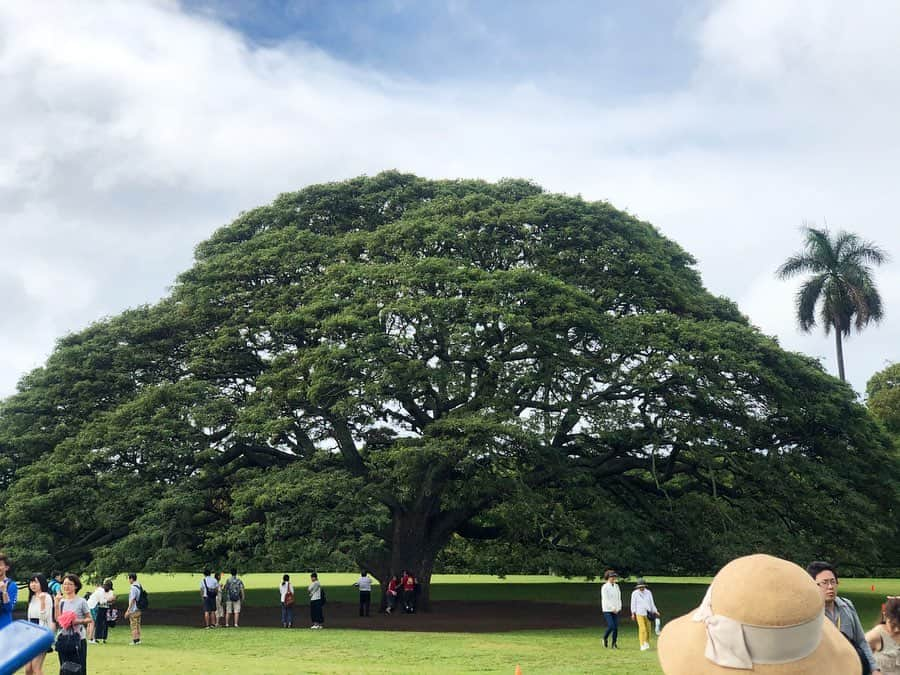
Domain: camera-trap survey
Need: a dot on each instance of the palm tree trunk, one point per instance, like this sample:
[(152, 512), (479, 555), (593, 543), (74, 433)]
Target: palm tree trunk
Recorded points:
[(840, 353)]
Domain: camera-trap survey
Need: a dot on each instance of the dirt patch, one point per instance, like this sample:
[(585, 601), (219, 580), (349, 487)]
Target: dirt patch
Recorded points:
[(449, 616)]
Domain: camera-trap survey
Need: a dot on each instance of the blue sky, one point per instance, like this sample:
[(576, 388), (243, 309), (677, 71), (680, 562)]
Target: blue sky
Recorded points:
[(132, 130), (598, 50)]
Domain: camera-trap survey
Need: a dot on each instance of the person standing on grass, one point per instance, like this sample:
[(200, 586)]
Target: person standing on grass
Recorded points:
[(611, 603), (105, 598), (133, 612), (69, 601), (643, 609), (220, 601), (286, 591), (93, 601), (316, 615), (364, 583), (209, 589), (9, 592), (234, 596), (40, 611), (841, 611)]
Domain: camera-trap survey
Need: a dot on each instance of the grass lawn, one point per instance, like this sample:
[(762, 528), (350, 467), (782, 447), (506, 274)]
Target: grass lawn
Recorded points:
[(259, 651)]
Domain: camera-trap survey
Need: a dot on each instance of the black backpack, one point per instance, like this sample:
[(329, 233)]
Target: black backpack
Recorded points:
[(143, 599), (322, 595), (68, 645), (234, 587)]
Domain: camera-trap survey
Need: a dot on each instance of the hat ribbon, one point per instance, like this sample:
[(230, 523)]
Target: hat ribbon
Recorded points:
[(732, 644)]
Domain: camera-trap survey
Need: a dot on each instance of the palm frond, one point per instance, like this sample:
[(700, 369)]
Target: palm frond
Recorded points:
[(866, 301), (856, 251), (820, 247), (807, 297), (797, 264)]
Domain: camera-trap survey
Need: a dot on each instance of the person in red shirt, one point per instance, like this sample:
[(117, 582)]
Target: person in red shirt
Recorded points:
[(408, 583), (392, 591)]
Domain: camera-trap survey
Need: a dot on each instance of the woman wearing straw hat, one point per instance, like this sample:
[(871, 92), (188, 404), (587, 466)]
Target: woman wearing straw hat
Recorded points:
[(761, 615), (642, 607)]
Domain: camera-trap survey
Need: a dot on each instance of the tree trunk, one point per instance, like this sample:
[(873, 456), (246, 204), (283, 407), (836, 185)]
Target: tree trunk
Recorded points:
[(840, 353), (413, 550), (416, 537)]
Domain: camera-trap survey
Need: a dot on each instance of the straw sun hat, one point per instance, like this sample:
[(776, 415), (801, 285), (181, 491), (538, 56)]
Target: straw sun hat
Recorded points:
[(760, 615)]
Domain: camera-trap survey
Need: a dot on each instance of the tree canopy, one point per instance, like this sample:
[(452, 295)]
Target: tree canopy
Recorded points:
[(400, 373), (883, 391)]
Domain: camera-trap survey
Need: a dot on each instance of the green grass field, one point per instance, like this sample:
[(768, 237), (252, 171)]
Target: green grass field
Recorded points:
[(272, 650), (260, 651)]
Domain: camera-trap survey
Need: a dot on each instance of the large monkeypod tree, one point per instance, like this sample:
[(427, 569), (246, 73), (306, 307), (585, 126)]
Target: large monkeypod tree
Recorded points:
[(376, 371)]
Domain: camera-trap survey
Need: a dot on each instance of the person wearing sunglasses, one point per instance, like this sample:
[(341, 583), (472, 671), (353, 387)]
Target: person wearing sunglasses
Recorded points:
[(842, 613)]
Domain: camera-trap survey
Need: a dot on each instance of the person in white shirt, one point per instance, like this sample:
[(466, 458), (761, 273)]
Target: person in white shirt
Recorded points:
[(40, 611), (315, 601), (209, 589), (642, 610), (365, 593), (286, 591), (611, 603)]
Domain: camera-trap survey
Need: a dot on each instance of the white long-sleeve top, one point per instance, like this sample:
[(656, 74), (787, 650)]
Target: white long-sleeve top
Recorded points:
[(642, 602), (611, 597), (284, 588)]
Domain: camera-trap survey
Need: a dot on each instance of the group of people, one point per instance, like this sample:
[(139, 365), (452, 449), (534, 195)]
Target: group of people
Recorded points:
[(765, 614), (57, 605), (400, 589), (222, 601), (876, 652), (643, 610)]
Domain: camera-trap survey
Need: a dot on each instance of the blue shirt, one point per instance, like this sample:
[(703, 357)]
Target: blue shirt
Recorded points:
[(6, 608)]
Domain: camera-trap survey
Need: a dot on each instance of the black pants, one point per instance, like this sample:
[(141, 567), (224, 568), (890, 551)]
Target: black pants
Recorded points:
[(409, 601), (365, 602), (102, 629), (316, 614), (82, 657)]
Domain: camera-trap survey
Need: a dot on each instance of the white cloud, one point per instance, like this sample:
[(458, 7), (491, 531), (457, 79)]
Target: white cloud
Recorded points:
[(132, 131)]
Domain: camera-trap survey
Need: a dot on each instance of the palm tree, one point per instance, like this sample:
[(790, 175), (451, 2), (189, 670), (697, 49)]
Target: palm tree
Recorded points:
[(841, 284)]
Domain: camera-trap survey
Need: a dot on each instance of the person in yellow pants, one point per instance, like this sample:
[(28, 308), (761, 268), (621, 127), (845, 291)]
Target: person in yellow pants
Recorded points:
[(642, 608)]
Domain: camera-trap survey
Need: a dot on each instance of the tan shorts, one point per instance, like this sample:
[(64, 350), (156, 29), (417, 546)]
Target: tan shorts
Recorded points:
[(233, 606), (134, 620)]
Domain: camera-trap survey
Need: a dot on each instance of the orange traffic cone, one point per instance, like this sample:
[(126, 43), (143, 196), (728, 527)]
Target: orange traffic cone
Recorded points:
[(873, 587), (518, 669)]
